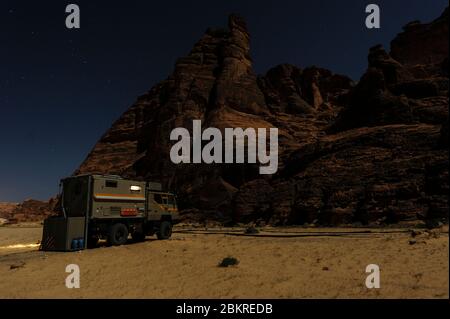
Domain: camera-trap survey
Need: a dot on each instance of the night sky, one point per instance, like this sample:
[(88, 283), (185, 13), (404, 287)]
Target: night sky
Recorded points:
[(61, 89)]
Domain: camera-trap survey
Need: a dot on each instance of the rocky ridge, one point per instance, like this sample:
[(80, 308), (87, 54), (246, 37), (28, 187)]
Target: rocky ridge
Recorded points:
[(375, 152)]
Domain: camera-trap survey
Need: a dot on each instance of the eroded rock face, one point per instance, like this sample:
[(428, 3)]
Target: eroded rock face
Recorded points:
[(215, 83), (369, 175), (29, 211), (6, 209), (370, 153), (422, 44), (410, 85), (291, 90)]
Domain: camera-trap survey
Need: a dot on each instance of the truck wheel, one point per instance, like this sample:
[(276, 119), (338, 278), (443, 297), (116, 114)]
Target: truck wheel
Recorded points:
[(165, 230), (138, 236), (118, 234)]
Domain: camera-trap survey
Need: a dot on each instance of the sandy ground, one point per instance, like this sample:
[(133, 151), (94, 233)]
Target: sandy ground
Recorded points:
[(302, 263)]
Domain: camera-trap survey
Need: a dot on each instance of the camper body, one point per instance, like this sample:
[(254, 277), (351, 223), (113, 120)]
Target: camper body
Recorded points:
[(108, 207)]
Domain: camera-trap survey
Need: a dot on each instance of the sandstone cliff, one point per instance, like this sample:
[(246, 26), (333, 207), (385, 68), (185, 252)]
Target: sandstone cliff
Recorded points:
[(29, 211), (375, 152)]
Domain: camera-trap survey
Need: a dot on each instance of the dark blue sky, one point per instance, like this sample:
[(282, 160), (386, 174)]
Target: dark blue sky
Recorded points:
[(61, 89)]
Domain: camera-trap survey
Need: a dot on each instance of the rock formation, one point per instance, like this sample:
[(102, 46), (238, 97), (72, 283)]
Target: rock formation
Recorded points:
[(375, 152), (29, 211), (5, 211)]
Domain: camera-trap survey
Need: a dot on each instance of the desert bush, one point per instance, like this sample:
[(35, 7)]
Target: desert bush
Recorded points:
[(228, 261)]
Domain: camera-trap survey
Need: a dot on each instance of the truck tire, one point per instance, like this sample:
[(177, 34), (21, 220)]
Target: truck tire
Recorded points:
[(138, 236), (118, 234), (165, 230)]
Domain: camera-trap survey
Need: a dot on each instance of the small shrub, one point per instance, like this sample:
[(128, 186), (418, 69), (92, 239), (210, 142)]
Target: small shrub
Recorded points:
[(228, 261)]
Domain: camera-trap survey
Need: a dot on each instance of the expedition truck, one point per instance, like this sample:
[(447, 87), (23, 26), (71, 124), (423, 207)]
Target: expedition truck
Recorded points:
[(108, 207)]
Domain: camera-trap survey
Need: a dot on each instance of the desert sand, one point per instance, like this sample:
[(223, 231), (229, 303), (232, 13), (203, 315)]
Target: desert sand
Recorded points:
[(275, 263)]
